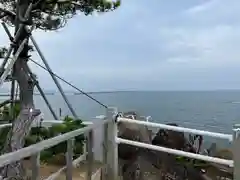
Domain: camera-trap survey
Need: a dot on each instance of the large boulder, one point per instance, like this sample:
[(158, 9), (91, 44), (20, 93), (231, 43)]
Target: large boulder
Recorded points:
[(167, 163), (140, 168), (170, 139), (150, 165), (132, 132), (144, 164)]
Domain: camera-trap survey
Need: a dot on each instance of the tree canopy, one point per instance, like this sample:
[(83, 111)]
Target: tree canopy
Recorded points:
[(53, 14)]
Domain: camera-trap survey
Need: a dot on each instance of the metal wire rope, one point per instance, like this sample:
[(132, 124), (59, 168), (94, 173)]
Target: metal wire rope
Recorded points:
[(68, 83)]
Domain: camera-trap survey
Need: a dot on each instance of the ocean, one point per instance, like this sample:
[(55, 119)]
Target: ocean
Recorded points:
[(215, 111), (206, 110)]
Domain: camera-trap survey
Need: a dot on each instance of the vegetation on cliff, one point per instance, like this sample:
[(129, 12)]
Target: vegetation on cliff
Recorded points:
[(40, 133)]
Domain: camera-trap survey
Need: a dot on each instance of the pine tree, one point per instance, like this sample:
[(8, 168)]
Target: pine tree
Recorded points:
[(45, 15)]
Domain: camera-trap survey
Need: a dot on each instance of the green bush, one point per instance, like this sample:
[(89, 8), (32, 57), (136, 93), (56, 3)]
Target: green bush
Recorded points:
[(5, 113), (38, 134)]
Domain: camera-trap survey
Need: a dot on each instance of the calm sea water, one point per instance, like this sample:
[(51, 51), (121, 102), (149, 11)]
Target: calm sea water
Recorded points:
[(216, 111)]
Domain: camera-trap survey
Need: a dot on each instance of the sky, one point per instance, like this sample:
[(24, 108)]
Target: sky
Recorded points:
[(147, 45)]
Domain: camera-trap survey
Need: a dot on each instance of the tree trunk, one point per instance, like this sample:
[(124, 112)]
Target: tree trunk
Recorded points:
[(22, 124)]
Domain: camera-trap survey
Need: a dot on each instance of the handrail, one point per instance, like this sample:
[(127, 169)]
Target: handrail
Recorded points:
[(174, 151), (45, 123), (110, 145), (178, 129), (8, 158), (5, 125), (177, 152)]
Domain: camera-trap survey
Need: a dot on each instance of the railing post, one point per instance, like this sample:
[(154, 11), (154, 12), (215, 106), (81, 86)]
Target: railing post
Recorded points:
[(69, 159), (105, 146), (35, 161), (90, 157), (115, 148), (236, 149), (112, 148)]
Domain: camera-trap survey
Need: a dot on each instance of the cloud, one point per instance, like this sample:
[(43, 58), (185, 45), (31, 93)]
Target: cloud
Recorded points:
[(148, 45), (207, 6)]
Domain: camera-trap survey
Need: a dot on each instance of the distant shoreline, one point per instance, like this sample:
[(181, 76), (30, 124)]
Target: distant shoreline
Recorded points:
[(36, 94), (129, 91)]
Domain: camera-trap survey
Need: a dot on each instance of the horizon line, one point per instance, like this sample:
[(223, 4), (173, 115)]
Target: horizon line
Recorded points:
[(53, 92)]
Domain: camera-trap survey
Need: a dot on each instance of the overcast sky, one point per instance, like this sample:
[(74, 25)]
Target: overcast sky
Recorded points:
[(148, 45)]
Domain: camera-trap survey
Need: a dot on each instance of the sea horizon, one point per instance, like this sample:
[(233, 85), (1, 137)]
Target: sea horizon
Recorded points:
[(215, 111), (75, 92)]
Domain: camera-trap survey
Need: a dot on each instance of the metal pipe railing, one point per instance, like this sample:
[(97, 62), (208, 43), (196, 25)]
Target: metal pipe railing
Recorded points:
[(111, 141), (176, 152), (11, 157), (45, 123), (178, 129)]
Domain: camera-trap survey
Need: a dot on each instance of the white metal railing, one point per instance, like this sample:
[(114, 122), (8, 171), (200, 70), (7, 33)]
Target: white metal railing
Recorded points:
[(45, 123), (177, 152), (178, 129), (110, 147), (229, 137), (33, 151)]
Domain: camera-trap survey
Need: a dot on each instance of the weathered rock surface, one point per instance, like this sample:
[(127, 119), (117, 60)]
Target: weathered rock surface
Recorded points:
[(132, 132), (140, 168), (143, 164), (168, 138), (151, 165)]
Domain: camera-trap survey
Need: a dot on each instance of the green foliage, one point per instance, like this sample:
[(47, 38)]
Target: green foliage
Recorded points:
[(53, 14), (38, 134), (5, 112), (191, 162), (6, 118), (3, 136), (3, 52)]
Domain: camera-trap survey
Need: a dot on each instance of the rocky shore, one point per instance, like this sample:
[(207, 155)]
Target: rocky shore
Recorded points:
[(143, 164)]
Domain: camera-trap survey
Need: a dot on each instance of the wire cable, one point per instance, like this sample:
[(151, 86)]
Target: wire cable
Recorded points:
[(68, 83)]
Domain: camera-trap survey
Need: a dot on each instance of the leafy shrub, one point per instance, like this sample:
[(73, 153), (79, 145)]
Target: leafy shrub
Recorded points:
[(38, 134), (5, 113)]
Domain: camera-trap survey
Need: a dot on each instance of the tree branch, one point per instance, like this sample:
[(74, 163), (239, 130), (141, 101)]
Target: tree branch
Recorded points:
[(7, 12), (8, 101)]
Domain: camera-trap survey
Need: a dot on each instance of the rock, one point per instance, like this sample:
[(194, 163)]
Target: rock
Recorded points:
[(150, 165), (167, 163), (218, 169), (144, 164), (170, 139), (140, 168), (222, 153), (193, 173), (125, 151), (132, 132)]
